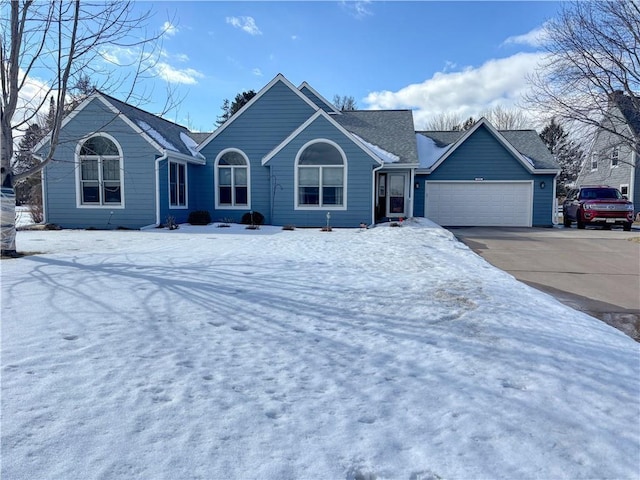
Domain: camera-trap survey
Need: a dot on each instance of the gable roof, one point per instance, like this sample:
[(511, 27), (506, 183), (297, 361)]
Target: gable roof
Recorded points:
[(313, 95), (168, 135), (321, 113), (390, 130), (630, 109), (525, 145), (163, 135), (256, 97)]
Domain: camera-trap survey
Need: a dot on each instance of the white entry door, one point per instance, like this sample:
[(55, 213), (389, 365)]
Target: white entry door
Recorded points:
[(481, 203)]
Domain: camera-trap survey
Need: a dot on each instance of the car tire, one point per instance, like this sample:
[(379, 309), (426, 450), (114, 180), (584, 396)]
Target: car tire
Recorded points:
[(566, 221), (579, 220), (626, 226)]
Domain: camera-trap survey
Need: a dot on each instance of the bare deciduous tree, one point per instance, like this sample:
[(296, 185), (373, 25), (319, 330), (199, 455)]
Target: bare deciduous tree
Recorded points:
[(500, 117), (593, 56), (66, 41)]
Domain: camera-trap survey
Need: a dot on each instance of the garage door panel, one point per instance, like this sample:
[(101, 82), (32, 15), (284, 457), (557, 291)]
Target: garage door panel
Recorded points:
[(479, 203)]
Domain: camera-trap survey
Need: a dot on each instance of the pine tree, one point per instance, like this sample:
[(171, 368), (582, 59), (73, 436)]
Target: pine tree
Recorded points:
[(228, 109), (24, 160), (568, 154)]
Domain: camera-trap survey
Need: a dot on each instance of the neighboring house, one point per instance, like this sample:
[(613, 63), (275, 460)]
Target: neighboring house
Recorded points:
[(612, 161), (290, 155)]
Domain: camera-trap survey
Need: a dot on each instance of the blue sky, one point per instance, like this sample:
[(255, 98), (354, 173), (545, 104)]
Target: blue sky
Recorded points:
[(457, 57)]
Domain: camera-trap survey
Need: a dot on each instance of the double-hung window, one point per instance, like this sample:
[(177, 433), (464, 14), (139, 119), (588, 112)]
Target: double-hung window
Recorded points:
[(100, 167), (320, 176), (177, 184), (232, 180), (615, 154)]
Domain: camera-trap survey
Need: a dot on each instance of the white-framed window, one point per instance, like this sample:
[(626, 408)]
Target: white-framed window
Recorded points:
[(615, 154), (233, 178), (594, 161), (177, 185), (99, 172), (624, 189), (321, 176)]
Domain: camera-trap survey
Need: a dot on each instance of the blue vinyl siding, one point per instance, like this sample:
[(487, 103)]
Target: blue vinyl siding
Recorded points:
[(359, 194), (260, 128), (483, 156), (315, 99), (138, 174)]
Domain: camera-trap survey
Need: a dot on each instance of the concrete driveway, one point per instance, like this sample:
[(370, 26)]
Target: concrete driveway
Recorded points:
[(592, 270)]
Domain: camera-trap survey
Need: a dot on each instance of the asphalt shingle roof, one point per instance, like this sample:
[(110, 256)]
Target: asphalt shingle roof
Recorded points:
[(391, 130), (526, 142), (630, 109), (168, 133)]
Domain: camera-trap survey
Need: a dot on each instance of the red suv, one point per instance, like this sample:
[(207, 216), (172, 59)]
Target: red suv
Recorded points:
[(597, 205)]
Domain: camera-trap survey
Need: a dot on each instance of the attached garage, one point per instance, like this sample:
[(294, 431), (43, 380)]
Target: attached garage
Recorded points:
[(485, 177), (479, 203)]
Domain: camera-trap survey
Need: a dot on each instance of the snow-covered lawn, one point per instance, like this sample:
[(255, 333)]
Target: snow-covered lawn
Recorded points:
[(224, 353)]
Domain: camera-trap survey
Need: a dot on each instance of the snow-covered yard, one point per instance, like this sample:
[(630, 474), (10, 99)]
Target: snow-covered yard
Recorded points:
[(225, 353)]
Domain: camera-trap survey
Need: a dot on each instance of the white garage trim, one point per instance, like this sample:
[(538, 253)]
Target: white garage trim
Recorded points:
[(485, 203)]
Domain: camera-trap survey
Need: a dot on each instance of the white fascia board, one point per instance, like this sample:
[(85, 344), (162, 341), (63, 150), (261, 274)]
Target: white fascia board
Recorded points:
[(399, 166), (309, 121), (315, 92), (249, 104), (65, 120), (471, 131), (185, 158)]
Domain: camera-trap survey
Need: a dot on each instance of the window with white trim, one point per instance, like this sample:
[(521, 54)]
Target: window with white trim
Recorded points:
[(615, 156), (320, 176), (624, 190), (594, 161), (100, 167), (232, 180), (177, 184)]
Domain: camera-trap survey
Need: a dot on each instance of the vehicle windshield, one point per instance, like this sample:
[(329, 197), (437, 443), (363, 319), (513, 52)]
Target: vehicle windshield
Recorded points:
[(598, 193)]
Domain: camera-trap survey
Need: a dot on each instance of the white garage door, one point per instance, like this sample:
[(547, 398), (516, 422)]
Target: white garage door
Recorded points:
[(481, 203)]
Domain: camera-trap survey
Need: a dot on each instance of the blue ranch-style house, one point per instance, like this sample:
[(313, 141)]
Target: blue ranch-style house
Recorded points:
[(293, 157)]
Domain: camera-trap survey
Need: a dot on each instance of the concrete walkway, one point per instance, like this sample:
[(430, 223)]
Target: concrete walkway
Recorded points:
[(592, 270)]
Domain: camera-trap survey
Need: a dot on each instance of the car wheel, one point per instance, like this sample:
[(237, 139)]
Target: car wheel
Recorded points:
[(579, 220), (626, 226), (566, 221)]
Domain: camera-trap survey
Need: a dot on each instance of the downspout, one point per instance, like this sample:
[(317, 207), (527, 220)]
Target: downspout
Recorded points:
[(375, 194), (43, 190), (158, 160), (554, 214), (412, 193)]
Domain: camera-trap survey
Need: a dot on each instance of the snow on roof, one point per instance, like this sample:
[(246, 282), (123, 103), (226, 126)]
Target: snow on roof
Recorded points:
[(191, 144), (428, 151), (155, 135), (528, 160), (386, 157)]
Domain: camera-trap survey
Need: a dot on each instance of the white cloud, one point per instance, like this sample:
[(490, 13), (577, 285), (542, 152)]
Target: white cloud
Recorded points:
[(187, 76), (120, 56), (358, 9), (169, 29), (257, 72), (465, 93), (247, 24), (535, 38)]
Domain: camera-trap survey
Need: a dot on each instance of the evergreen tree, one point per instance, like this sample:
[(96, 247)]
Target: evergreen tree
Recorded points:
[(24, 160), (229, 108), (568, 154)]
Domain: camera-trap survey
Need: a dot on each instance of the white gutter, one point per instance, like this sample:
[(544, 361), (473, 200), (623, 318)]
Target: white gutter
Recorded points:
[(375, 193), (157, 170)]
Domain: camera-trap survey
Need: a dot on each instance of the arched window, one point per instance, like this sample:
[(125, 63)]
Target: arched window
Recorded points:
[(321, 175), (232, 180), (100, 167)]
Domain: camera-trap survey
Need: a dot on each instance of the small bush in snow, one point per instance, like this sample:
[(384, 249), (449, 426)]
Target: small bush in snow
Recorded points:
[(199, 217), (252, 218)]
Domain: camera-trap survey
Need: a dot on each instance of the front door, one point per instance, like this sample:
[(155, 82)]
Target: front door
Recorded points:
[(397, 198)]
